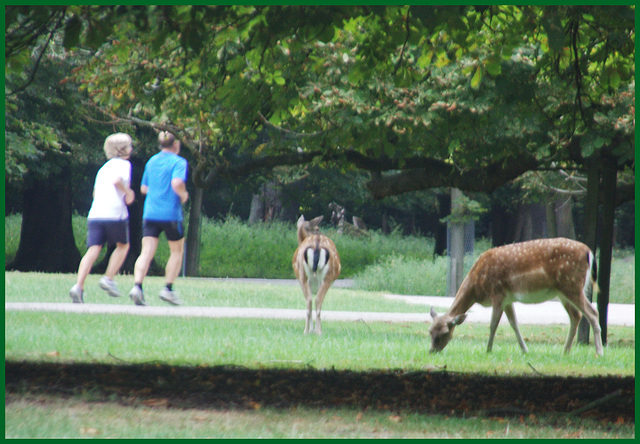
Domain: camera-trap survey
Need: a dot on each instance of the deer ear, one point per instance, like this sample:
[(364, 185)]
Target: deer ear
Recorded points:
[(316, 221), (433, 314), (301, 220), (459, 319)]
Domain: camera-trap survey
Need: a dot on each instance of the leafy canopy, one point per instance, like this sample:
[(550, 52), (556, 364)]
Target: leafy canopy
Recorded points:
[(421, 96)]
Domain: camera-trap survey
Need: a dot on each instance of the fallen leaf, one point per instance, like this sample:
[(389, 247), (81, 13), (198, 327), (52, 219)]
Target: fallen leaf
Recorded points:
[(53, 353), (156, 402), (395, 418), (255, 405), (89, 431)]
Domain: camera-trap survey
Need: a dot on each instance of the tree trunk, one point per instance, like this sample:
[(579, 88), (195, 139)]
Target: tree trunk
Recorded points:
[(192, 265), (444, 209), (609, 173), (46, 237), (257, 209), (590, 228), (456, 270), (267, 205), (564, 218), (550, 213)]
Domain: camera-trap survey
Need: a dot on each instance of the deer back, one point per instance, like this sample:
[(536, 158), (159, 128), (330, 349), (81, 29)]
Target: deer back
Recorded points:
[(528, 270), (316, 253)]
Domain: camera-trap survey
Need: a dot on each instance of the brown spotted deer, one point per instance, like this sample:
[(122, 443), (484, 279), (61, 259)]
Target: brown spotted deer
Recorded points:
[(529, 272), (316, 264)]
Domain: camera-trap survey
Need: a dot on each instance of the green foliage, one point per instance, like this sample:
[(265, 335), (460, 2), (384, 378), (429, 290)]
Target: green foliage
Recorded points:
[(231, 248), (382, 263), (468, 86), (401, 275)]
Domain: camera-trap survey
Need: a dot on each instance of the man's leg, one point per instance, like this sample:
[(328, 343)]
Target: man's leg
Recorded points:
[(174, 264), (141, 267), (115, 262), (172, 270), (149, 246)]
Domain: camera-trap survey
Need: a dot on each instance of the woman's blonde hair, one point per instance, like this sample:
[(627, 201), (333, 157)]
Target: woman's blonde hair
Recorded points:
[(166, 139), (117, 145)]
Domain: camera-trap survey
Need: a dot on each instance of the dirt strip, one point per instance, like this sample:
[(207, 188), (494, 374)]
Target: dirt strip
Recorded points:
[(607, 398)]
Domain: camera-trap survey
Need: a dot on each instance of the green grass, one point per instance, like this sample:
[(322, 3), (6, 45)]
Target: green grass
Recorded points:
[(264, 342), (232, 248), (41, 287), (41, 416), (260, 343), (382, 263)]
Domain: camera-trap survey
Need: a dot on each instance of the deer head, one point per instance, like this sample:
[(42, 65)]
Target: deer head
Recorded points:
[(441, 329), (307, 228)]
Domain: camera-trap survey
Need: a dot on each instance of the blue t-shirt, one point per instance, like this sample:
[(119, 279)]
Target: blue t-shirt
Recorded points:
[(162, 203)]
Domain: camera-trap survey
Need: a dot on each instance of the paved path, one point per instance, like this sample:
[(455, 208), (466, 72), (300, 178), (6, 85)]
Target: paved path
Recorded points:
[(550, 312), (546, 313)]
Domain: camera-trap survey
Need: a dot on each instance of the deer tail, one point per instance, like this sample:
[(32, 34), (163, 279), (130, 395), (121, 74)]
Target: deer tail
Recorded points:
[(591, 279), (317, 257)]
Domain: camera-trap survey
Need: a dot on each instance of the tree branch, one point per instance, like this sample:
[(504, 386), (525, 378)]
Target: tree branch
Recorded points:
[(441, 174), (34, 68), (289, 133), (404, 45)]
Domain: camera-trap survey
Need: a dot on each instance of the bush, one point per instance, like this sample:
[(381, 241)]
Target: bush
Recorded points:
[(401, 275), (390, 263), (232, 248)]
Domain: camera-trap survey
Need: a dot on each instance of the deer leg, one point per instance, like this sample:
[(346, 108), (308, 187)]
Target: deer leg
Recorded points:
[(309, 300), (574, 320), (511, 316), (322, 291), (597, 331), (592, 316), (496, 314)]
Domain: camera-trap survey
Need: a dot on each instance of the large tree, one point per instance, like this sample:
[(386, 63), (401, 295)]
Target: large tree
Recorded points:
[(470, 97), (418, 96)]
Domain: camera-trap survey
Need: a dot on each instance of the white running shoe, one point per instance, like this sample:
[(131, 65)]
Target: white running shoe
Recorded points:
[(109, 286), (76, 294), (137, 296), (169, 296)]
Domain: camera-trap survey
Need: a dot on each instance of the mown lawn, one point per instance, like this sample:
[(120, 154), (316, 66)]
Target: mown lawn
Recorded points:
[(267, 343)]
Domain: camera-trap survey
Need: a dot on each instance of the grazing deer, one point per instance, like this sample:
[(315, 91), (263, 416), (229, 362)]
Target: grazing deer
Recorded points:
[(529, 272), (316, 264)]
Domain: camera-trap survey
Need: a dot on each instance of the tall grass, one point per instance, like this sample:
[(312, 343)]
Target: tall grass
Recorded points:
[(391, 263), (231, 248)]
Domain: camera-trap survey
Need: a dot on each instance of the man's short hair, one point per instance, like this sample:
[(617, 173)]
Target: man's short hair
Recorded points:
[(166, 139)]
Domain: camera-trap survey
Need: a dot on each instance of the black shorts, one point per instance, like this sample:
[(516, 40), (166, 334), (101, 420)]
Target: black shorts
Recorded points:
[(101, 231), (172, 229)]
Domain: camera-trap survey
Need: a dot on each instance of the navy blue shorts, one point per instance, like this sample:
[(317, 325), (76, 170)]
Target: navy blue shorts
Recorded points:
[(100, 232), (172, 229)]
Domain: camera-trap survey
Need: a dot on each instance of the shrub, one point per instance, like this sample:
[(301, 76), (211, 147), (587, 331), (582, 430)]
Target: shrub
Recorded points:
[(391, 263)]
